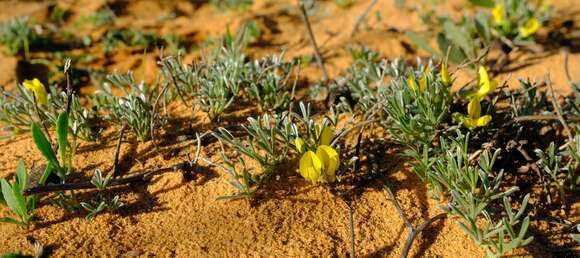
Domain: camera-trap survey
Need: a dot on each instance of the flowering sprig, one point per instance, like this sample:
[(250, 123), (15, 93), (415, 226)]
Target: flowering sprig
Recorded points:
[(518, 19), (319, 166), (474, 119)]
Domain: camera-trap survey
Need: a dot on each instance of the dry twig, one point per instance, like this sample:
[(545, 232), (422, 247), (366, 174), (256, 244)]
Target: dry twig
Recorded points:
[(319, 58), (413, 232)]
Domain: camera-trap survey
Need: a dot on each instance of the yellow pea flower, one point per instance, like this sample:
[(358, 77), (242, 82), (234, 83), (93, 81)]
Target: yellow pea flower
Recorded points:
[(310, 167), (326, 136), (323, 163), (37, 89), (411, 83), (498, 13), (299, 143), (486, 86), (330, 161), (445, 78), (423, 80), (474, 118), (530, 27)]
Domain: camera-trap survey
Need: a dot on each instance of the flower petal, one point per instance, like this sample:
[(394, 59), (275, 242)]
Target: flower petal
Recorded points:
[(37, 89), (498, 13), (483, 121), (485, 85), (326, 136), (469, 123), (423, 80), (411, 83), (445, 78), (299, 143), (474, 109), (330, 159), (310, 166), (530, 27)]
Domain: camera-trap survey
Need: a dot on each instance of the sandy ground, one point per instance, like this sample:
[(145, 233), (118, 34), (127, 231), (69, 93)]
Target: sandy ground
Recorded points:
[(171, 216)]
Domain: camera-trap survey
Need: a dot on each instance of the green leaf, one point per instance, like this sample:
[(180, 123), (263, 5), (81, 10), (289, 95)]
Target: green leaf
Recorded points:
[(62, 134), (15, 255), (15, 202), (456, 56), (482, 26), (43, 145), (421, 42), (45, 175), (458, 36), (483, 3), (9, 220), (21, 175)]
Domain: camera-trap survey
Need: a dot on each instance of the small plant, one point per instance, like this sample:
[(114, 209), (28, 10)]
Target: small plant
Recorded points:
[(12, 195), (267, 143), (234, 5), (367, 79), (128, 38), (268, 83), (100, 18), (512, 23), (135, 109), (101, 203), (473, 191), (474, 118), (220, 80), (519, 19), (18, 35), (66, 152), (458, 41), (528, 100), (561, 168), (58, 14), (32, 102), (417, 107)]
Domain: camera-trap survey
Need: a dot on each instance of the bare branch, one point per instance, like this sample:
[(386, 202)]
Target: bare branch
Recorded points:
[(319, 59)]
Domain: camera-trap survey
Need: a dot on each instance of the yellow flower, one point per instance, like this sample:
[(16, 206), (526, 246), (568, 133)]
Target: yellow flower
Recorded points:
[(326, 136), (423, 80), (411, 83), (545, 7), (445, 78), (37, 89), (321, 165), (485, 85), (474, 118), (310, 166), (530, 27), (498, 13), (330, 161), (299, 143)]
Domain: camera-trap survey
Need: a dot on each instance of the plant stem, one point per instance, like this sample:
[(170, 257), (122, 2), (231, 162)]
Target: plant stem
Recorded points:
[(558, 109), (118, 151), (319, 59), (418, 230), (413, 232), (351, 229), (535, 168), (543, 117), (140, 177)]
